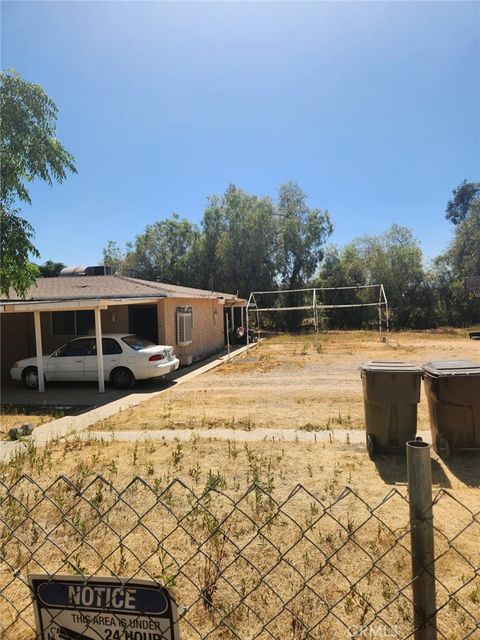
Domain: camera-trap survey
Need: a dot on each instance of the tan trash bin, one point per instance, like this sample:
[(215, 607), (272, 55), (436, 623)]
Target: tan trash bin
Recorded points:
[(452, 388), (391, 392)]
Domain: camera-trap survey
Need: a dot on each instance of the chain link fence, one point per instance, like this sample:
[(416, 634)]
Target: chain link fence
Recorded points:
[(245, 566)]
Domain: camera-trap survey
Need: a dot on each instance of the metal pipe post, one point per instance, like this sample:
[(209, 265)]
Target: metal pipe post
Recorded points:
[(419, 471), (228, 337)]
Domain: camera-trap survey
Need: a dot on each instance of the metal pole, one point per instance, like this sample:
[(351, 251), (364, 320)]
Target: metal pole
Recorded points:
[(419, 471), (386, 307), (228, 337), (98, 336), (38, 344)]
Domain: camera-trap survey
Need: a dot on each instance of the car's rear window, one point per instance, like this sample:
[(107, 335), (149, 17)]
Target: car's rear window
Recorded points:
[(137, 343)]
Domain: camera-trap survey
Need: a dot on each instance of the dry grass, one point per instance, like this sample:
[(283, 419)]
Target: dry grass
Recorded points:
[(289, 382), (85, 528)]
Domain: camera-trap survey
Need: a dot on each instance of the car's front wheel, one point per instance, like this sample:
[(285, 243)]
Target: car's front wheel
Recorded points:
[(30, 377), (122, 378)]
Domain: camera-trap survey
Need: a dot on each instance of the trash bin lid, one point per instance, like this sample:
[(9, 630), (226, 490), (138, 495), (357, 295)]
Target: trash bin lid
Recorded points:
[(390, 366), (442, 368)]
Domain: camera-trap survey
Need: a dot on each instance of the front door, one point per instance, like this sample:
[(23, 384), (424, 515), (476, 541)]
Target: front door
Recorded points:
[(68, 362), (143, 321)]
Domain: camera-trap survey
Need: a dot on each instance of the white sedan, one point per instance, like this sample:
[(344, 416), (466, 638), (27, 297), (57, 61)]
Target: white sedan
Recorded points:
[(126, 358)]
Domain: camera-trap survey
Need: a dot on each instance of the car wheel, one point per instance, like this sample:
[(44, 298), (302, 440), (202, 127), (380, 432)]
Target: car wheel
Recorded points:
[(122, 378), (30, 377), (443, 447), (371, 446)]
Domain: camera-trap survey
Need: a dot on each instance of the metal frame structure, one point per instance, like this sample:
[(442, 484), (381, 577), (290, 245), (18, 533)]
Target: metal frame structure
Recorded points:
[(314, 307)]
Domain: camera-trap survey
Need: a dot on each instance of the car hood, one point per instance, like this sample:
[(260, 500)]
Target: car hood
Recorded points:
[(27, 362)]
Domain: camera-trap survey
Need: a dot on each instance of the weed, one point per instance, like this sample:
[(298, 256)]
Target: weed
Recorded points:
[(177, 455)]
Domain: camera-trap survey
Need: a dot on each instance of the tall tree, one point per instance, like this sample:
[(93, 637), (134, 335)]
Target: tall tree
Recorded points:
[(239, 242), (461, 260), (114, 258), (29, 150), (464, 196), (161, 252), (303, 232)]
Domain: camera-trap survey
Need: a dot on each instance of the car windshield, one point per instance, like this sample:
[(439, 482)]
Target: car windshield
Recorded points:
[(137, 343)]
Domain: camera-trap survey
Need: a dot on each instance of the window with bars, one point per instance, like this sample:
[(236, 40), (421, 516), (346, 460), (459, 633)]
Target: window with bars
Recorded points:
[(184, 325)]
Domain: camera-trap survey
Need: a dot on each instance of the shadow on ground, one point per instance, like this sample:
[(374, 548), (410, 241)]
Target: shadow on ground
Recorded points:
[(393, 470), (73, 398), (465, 466)]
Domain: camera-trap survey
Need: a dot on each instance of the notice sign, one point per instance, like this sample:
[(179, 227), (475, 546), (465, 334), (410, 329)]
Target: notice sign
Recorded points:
[(76, 608)]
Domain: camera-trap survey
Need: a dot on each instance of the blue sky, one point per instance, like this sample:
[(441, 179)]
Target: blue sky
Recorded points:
[(372, 107)]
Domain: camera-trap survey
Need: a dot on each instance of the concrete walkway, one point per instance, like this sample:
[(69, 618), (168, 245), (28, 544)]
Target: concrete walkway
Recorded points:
[(343, 436), (73, 424)]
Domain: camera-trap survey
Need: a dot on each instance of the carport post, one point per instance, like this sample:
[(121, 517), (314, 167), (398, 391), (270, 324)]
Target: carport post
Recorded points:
[(38, 344), (241, 315), (98, 335), (232, 315)]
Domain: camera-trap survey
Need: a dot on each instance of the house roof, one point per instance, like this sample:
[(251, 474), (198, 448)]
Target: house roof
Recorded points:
[(107, 288)]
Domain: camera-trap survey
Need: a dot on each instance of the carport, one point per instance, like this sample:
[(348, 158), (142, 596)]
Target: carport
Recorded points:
[(95, 305)]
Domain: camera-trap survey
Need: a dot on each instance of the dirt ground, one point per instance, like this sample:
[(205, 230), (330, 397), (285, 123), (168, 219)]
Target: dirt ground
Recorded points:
[(105, 507), (303, 382)]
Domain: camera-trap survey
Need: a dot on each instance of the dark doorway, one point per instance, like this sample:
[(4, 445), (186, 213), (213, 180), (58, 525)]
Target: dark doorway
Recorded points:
[(143, 321)]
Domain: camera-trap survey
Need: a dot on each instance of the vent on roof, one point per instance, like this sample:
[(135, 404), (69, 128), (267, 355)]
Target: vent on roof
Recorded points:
[(100, 270)]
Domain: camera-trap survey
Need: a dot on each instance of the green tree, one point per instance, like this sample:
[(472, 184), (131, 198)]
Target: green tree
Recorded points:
[(461, 260), (303, 233), (29, 150), (15, 248), (238, 246), (50, 269), (114, 258), (393, 259), (464, 196), (160, 253)]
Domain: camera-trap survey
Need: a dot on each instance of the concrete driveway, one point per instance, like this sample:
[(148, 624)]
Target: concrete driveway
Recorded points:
[(65, 395), (88, 406), (78, 395)]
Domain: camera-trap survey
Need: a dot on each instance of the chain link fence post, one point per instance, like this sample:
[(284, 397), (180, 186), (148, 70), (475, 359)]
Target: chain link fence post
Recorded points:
[(419, 473)]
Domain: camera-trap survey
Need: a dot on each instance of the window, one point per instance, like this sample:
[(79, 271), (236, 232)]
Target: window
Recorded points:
[(137, 343), (72, 323), (184, 325), (110, 347), (63, 323), (75, 348)]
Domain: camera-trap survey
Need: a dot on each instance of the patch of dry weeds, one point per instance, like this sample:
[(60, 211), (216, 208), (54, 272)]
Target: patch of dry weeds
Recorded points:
[(305, 545)]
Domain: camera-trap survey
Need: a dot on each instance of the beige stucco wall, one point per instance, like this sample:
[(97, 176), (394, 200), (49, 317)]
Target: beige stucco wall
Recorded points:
[(207, 333)]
